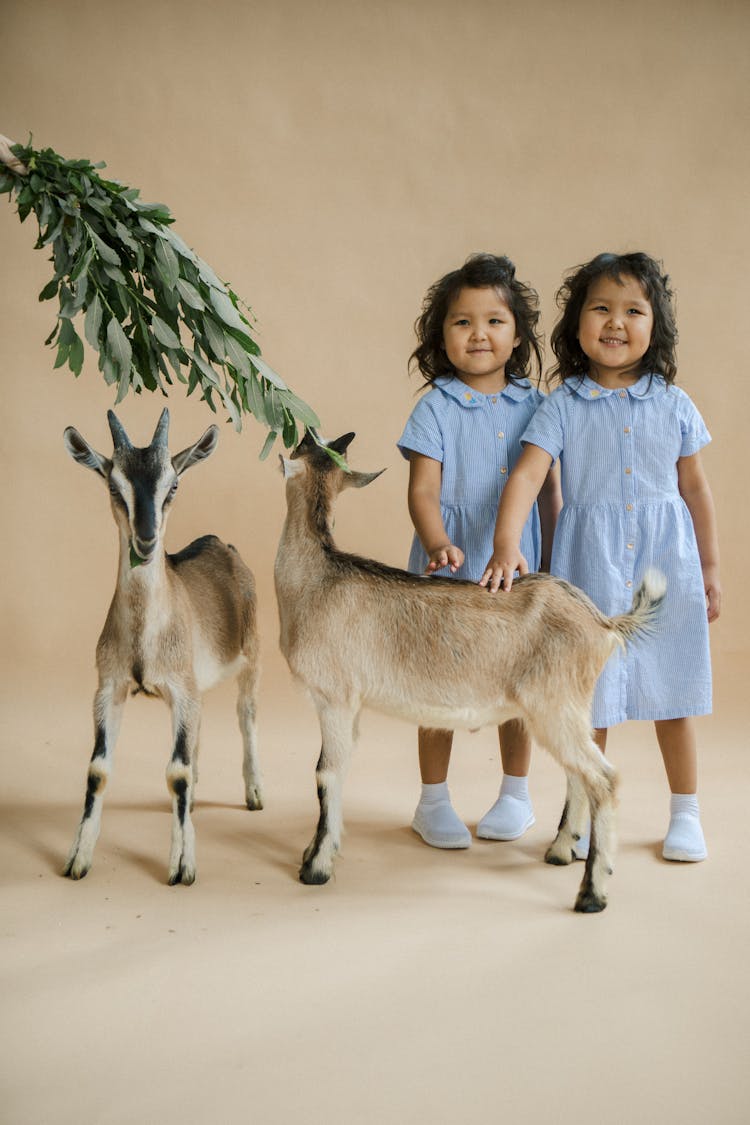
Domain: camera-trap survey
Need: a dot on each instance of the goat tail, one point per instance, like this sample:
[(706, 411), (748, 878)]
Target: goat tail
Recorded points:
[(644, 612)]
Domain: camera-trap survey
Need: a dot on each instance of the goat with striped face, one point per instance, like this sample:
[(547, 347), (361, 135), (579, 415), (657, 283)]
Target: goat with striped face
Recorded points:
[(444, 654), (177, 625)]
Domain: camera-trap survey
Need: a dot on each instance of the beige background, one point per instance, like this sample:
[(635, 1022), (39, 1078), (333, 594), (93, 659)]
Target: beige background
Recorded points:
[(331, 160)]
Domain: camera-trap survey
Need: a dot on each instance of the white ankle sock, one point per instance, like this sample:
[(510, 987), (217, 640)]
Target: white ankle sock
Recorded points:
[(684, 803), (684, 841), (517, 787)]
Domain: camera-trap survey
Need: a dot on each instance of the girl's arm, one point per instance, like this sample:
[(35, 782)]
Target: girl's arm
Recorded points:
[(519, 494), (425, 479), (695, 491), (549, 503)]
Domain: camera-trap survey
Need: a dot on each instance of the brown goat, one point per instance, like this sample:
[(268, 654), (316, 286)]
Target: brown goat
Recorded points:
[(444, 654)]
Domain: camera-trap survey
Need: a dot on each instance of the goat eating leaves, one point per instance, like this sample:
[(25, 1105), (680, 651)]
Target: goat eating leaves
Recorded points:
[(444, 654), (177, 625)]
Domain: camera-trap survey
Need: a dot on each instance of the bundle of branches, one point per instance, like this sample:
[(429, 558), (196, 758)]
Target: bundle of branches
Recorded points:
[(152, 309)]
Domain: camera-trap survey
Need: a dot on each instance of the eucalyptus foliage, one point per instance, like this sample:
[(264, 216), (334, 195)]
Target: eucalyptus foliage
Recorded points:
[(153, 310)]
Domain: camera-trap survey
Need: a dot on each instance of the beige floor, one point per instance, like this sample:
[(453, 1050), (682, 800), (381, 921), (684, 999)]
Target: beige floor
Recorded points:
[(419, 986)]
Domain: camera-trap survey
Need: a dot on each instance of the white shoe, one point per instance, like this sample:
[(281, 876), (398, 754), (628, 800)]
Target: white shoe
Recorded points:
[(439, 825), (684, 842), (508, 819)]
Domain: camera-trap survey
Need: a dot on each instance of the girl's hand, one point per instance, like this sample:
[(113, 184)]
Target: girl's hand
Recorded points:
[(501, 568), (449, 555), (712, 587)]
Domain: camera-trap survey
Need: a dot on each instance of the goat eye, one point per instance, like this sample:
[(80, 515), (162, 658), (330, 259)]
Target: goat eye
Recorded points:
[(172, 490)]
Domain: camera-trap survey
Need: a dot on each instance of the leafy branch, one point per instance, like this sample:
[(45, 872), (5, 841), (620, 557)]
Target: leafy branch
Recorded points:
[(153, 310)]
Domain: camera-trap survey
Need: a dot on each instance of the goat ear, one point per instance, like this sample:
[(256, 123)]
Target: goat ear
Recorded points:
[(198, 451), (290, 468), (341, 444), (80, 450), (359, 480)]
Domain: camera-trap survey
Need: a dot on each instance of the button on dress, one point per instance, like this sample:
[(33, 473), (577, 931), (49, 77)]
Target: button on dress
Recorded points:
[(622, 513), (477, 440)]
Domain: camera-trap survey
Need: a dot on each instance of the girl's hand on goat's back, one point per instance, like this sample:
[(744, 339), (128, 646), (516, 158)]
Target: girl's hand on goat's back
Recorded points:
[(501, 568), (448, 555)]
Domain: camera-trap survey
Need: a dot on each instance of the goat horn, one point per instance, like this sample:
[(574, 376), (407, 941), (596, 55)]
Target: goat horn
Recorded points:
[(116, 428), (161, 433)]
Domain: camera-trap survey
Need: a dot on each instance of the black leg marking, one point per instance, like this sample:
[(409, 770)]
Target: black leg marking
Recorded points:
[(100, 743), (92, 788), (306, 873), (180, 752), (180, 790)]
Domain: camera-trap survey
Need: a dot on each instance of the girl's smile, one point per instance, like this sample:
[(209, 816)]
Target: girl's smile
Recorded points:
[(479, 334), (614, 329)]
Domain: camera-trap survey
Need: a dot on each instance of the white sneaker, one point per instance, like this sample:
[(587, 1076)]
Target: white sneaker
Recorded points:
[(508, 819), (684, 842), (439, 825)]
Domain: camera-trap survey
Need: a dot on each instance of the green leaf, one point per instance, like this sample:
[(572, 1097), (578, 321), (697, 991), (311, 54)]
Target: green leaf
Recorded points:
[(135, 559), (106, 253), (237, 355), (190, 294), (205, 367), (119, 347), (93, 321), (300, 409), (215, 338), (167, 264), (50, 290), (268, 373), (267, 445), (164, 334), (225, 308), (75, 356)]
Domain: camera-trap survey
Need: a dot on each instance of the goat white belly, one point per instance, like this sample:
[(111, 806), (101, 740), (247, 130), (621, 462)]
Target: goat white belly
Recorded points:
[(209, 669), (441, 716)]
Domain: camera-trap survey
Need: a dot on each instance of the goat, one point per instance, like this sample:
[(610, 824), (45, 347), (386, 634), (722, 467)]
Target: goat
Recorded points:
[(444, 654), (177, 625)]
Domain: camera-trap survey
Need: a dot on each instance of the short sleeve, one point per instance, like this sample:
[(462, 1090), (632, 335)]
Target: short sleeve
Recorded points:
[(545, 428), (692, 428), (422, 433)]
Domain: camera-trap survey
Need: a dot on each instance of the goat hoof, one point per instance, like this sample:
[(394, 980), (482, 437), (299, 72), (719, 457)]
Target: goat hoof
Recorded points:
[(311, 876), (254, 800), (559, 856), (589, 903), (183, 875), (72, 870)]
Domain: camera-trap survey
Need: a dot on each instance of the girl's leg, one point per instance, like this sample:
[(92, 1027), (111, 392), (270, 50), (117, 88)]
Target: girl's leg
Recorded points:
[(512, 814), (684, 840), (435, 819)]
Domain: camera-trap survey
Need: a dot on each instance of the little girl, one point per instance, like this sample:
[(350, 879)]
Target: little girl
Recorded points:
[(477, 339), (634, 495)]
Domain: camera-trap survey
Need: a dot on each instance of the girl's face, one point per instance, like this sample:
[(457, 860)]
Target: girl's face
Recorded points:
[(479, 333), (614, 329)]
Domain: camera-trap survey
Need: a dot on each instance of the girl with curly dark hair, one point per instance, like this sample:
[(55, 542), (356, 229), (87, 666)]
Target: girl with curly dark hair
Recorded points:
[(477, 348), (634, 496)]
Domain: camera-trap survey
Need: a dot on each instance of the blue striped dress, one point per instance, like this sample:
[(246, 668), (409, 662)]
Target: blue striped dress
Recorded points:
[(622, 513), (477, 440)]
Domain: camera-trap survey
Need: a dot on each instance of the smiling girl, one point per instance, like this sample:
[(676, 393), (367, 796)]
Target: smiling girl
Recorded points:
[(634, 496), (477, 346)]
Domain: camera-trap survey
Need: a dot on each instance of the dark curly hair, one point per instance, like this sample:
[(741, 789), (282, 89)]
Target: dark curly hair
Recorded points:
[(660, 358), (479, 271)]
